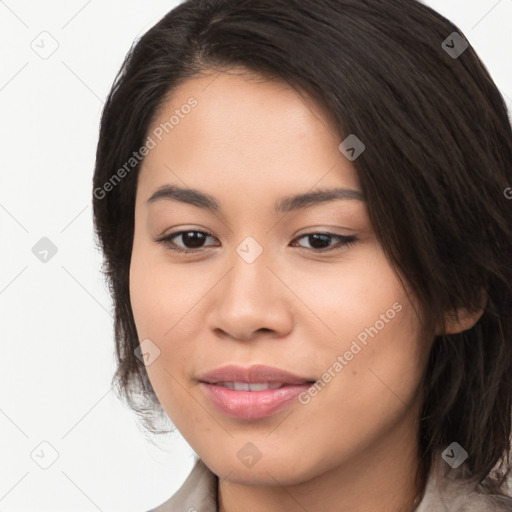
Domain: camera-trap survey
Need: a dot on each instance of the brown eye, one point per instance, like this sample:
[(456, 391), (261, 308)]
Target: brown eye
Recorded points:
[(192, 240), (320, 242)]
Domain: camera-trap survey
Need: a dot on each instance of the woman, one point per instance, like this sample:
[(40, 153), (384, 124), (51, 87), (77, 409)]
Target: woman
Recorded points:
[(304, 214)]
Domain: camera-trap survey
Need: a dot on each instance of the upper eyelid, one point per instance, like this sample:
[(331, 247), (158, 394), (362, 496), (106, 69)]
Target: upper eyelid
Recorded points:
[(183, 231)]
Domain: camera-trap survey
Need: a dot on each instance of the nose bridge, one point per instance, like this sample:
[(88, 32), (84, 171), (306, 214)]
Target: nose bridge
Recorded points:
[(250, 297), (249, 280)]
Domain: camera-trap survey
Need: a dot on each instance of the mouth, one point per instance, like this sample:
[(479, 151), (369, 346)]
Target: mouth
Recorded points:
[(251, 386), (256, 374), (252, 393)]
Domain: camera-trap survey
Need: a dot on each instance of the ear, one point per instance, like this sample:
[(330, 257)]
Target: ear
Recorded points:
[(464, 319)]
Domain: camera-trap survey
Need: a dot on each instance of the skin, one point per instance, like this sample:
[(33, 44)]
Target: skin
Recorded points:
[(353, 447)]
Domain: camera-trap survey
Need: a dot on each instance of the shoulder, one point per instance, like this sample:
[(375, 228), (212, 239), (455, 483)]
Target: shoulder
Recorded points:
[(198, 492), (448, 490)]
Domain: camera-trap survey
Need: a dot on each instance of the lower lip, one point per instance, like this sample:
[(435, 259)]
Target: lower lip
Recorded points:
[(252, 405)]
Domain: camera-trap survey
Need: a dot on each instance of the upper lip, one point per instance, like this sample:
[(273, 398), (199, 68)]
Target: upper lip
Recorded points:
[(252, 374)]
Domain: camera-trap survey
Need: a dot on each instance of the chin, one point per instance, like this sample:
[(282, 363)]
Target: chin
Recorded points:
[(282, 470)]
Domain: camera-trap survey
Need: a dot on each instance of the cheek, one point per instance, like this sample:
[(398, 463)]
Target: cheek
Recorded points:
[(341, 301), (159, 300), (165, 301), (382, 368), (160, 294), (371, 355)]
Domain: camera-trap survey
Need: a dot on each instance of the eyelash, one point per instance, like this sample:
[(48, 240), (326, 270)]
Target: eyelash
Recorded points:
[(345, 241)]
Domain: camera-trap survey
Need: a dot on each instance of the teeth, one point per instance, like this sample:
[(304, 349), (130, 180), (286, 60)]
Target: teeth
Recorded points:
[(253, 386)]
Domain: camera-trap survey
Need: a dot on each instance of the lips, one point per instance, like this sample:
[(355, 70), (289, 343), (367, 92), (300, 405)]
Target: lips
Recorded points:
[(252, 393), (256, 374)]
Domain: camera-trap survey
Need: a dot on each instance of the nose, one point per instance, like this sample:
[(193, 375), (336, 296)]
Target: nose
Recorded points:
[(250, 302)]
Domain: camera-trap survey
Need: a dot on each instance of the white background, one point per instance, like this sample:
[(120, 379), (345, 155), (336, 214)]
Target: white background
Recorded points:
[(56, 360)]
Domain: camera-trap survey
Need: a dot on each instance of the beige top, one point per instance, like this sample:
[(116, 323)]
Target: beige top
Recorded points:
[(442, 494)]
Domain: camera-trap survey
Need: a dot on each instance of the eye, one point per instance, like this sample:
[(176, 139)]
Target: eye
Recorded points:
[(193, 241), (319, 242)]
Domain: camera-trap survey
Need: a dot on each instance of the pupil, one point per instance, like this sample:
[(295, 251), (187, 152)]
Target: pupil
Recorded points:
[(193, 239), (318, 237)]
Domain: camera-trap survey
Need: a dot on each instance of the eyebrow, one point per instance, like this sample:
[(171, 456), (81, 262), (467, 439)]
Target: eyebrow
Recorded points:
[(285, 204)]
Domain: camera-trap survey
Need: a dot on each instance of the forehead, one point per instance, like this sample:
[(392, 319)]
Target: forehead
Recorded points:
[(244, 130)]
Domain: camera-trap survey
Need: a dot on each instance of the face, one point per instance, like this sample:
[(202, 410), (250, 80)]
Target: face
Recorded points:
[(299, 286)]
